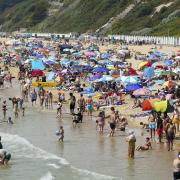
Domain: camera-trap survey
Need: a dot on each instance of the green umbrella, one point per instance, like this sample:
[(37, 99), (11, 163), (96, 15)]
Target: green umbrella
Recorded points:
[(168, 73)]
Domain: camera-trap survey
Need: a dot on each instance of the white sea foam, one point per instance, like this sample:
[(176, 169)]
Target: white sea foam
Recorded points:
[(54, 165), (23, 148), (20, 147), (48, 176)]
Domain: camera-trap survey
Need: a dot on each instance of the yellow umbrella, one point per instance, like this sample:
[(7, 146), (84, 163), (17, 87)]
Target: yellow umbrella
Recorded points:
[(160, 106), (169, 84), (142, 64)]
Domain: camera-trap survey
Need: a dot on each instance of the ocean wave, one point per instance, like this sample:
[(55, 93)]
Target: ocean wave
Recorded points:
[(28, 150), (20, 147), (48, 176)]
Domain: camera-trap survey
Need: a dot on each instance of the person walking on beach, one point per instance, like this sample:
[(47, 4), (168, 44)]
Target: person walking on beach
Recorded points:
[(152, 125), (16, 110), (176, 166), (171, 131), (72, 103), (131, 139), (159, 127), (4, 109), (50, 98)]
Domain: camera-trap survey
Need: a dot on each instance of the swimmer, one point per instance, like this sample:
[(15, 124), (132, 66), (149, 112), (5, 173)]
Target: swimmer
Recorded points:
[(10, 121)]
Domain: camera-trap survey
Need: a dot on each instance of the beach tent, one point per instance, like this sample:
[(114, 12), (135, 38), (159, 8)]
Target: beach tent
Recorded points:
[(38, 64), (147, 105)]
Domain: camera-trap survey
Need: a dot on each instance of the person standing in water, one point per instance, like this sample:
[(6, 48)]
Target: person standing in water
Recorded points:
[(89, 103), (61, 134), (152, 125), (170, 135), (131, 139), (72, 103), (176, 166), (81, 103), (4, 109), (112, 122)]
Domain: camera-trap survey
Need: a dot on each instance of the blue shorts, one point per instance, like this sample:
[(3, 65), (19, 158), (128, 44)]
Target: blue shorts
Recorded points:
[(89, 107), (152, 125)]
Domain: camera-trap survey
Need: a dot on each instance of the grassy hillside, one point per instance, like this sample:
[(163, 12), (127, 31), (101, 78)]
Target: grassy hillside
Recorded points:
[(144, 20), (89, 15)]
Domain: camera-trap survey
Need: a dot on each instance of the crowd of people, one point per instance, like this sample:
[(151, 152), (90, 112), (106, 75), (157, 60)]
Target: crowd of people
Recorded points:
[(92, 82)]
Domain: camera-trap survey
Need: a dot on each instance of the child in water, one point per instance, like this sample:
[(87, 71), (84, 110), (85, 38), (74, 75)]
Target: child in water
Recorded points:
[(61, 134)]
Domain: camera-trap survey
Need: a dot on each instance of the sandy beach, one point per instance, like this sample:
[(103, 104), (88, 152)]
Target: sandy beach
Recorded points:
[(85, 154)]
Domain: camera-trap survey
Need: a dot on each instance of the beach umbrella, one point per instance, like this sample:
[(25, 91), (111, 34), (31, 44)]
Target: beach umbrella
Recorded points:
[(106, 78), (157, 72), (51, 76), (169, 83), (100, 69), (89, 53), (168, 62), (160, 65), (88, 91), (95, 77), (66, 71), (144, 64), (128, 79), (106, 55), (131, 72), (87, 67), (37, 72), (49, 62), (133, 87), (142, 92), (149, 72), (168, 73), (177, 70), (160, 106), (105, 61), (153, 57)]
